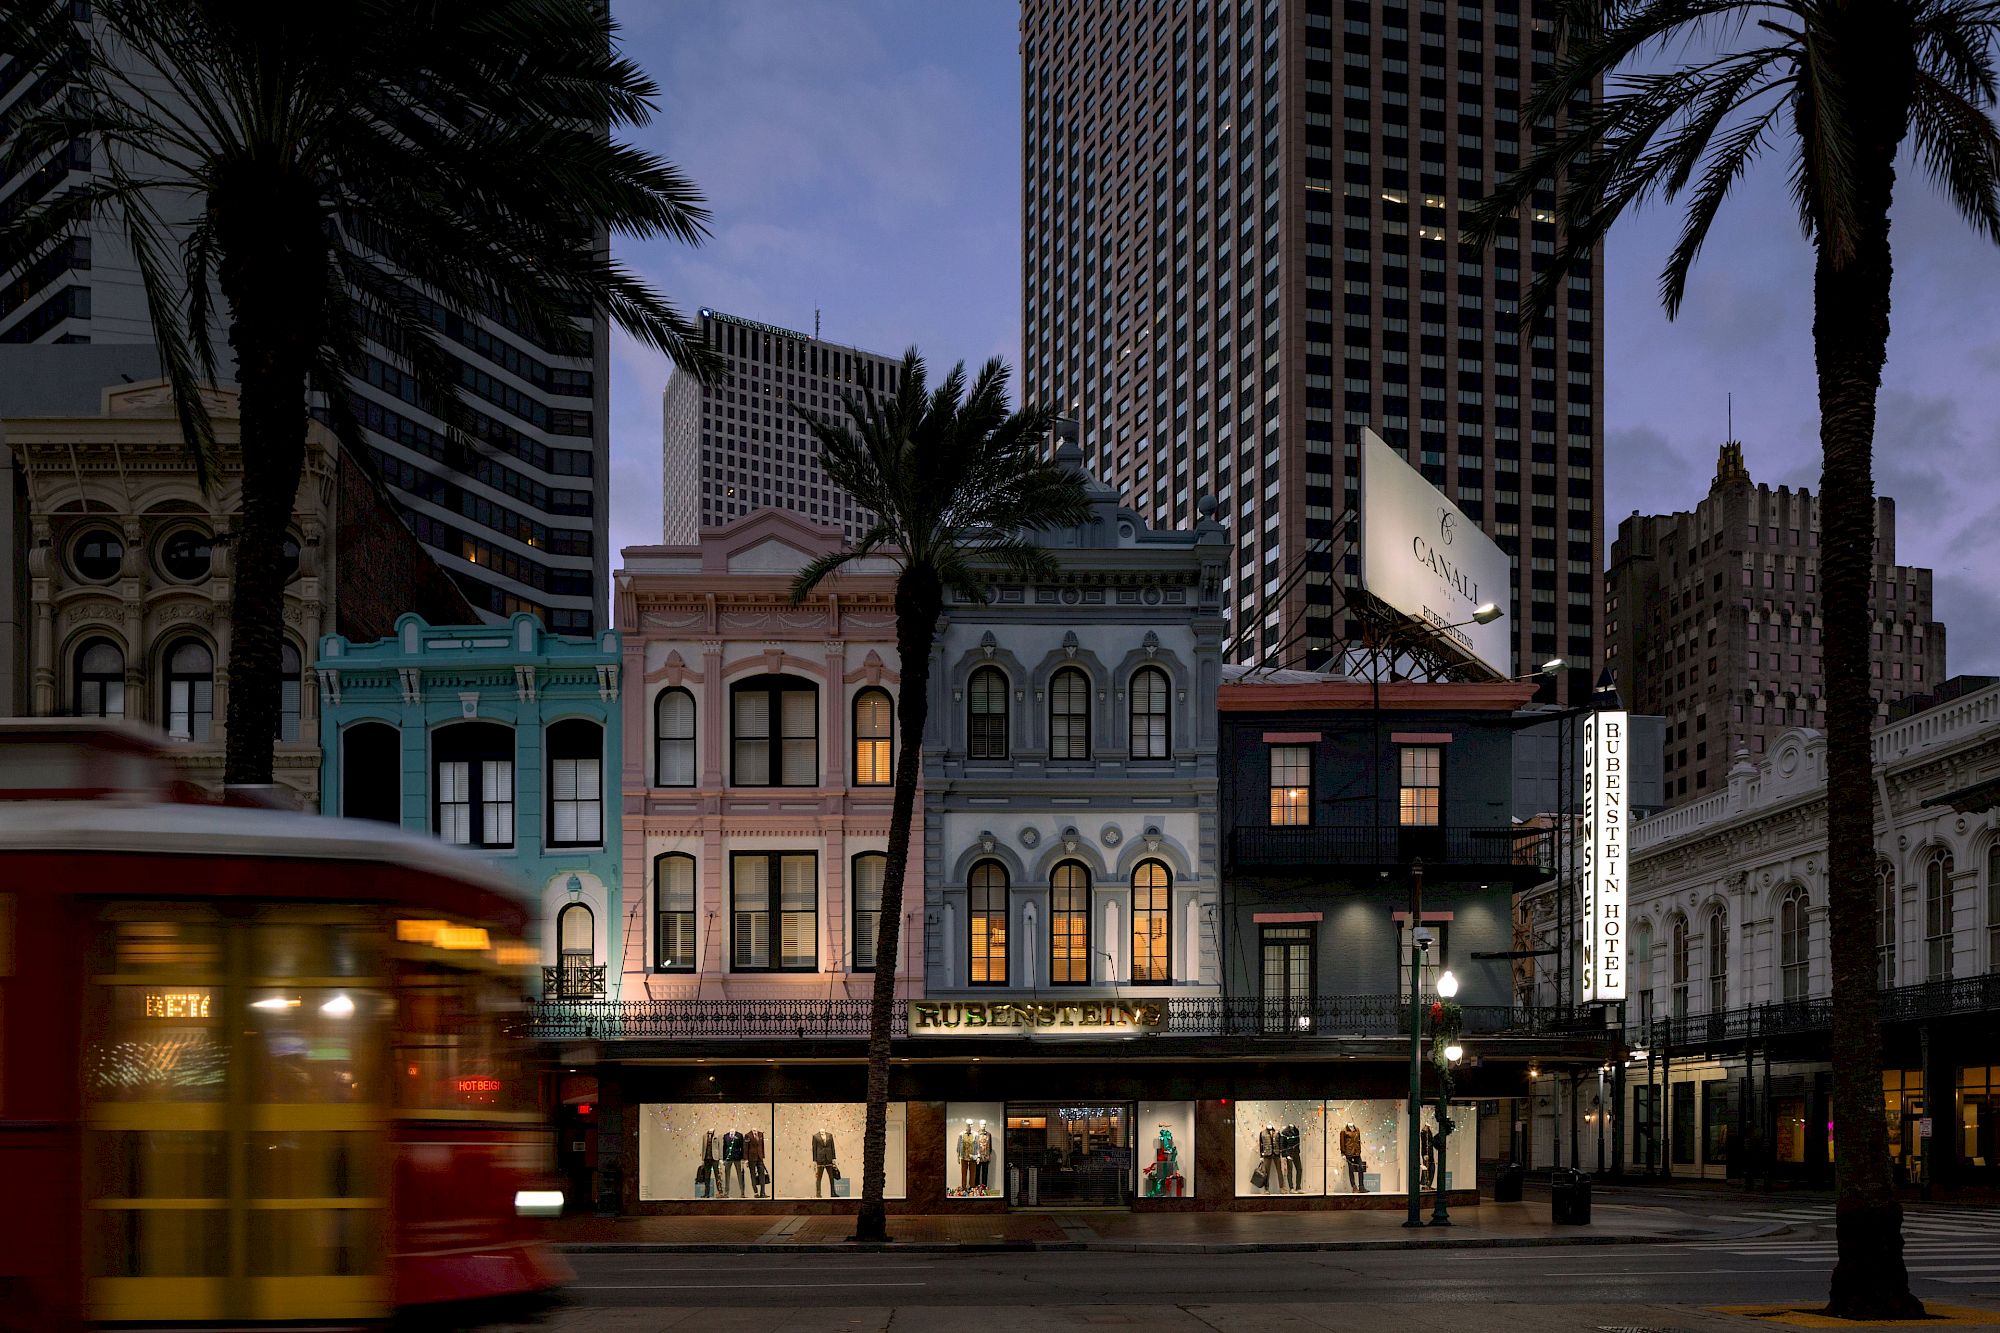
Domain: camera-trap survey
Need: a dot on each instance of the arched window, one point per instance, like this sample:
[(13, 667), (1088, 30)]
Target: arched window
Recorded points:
[(1642, 969), (1794, 937), (576, 943), (472, 784), (189, 702), (1937, 916), (673, 738), (98, 689), (776, 732), (865, 888), (371, 772), (1885, 924), (874, 725), (291, 683), (1152, 734), (987, 917), (1069, 925), (1069, 715), (986, 714), (673, 913), (1718, 959), (1993, 906), (1152, 892), (1678, 965), (576, 783)]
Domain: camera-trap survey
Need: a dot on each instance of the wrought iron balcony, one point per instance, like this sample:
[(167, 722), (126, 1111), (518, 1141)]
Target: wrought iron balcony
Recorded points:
[(1791, 1018), (1499, 848), (573, 982), (1322, 1017)]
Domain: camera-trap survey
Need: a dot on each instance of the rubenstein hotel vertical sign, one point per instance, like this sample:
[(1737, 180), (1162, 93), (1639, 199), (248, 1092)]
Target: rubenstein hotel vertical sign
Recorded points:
[(1604, 820)]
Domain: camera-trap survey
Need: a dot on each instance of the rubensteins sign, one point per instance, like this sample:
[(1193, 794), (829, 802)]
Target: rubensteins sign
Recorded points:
[(1076, 1018), (1422, 556), (1604, 852)]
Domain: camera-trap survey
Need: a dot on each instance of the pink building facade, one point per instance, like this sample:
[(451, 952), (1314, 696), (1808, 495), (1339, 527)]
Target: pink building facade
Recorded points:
[(759, 743)]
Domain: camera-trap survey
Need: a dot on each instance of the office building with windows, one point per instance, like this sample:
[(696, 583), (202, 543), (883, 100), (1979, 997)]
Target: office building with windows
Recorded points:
[(520, 520), (1728, 1013), (500, 739), (1713, 622), (1242, 228), (738, 445)]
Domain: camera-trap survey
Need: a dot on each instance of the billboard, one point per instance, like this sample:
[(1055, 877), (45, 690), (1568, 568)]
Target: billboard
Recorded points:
[(1605, 771), (1423, 557)]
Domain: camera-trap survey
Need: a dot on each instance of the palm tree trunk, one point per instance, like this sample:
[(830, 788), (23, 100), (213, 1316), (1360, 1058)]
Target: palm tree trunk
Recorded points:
[(274, 291), (919, 602), (1850, 336)]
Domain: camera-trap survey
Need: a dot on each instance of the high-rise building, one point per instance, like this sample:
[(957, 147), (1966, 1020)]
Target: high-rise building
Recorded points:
[(1242, 245), (1712, 621), (519, 522), (739, 443)]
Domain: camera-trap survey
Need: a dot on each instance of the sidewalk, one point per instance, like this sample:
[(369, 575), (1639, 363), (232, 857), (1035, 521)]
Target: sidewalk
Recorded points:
[(1488, 1225)]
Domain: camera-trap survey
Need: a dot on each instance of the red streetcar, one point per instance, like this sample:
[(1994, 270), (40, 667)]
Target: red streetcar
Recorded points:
[(255, 1066)]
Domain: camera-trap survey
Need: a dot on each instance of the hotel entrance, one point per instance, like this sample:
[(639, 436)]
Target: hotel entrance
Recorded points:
[(1069, 1156)]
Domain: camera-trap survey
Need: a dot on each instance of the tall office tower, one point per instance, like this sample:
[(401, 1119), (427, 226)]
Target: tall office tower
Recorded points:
[(739, 444), (1712, 621), (520, 523), (1242, 224)]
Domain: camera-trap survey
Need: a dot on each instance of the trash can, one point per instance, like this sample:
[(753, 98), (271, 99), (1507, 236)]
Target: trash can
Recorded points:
[(1569, 1198), (1507, 1182)]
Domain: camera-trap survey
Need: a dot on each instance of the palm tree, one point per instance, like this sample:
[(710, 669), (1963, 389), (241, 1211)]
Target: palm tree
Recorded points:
[(1840, 84), (371, 170), (954, 480)]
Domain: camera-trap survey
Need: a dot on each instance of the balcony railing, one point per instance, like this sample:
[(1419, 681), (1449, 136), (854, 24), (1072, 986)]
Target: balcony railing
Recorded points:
[(1789, 1018), (1382, 846), (1325, 1016), (573, 982)]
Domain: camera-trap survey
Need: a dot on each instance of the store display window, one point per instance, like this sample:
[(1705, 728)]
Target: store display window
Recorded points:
[(1280, 1148), (975, 1150), (816, 1150), (1068, 1154), (705, 1151), (1365, 1147), (1164, 1134), (1460, 1160)]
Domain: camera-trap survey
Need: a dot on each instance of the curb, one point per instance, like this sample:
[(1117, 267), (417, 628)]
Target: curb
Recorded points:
[(1140, 1246)]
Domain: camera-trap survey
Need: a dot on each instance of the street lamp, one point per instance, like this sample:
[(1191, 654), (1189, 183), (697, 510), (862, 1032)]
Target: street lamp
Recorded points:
[(1440, 1215), (1420, 940)]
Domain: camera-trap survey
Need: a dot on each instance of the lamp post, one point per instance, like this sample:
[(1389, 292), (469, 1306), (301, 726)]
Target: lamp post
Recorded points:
[(1453, 1053)]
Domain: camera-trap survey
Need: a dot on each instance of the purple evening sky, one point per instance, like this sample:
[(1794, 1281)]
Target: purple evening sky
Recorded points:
[(862, 158)]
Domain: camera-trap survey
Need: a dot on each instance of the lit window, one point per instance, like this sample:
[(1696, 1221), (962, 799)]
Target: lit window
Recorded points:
[(987, 918), (873, 727), (1152, 891), (1422, 769), (1291, 784)]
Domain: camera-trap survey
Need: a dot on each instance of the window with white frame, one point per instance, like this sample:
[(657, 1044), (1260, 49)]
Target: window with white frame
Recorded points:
[(865, 889), (1422, 786), (986, 714), (1993, 907), (776, 737), (1069, 715), (674, 763), (1885, 924), (1938, 911), (774, 911), (1152, 734), (874, 731), (99, 686), (1642, 969), (1718, 959), (473, 784), (673, 913), (1794, 937), (1291, 785), (576, 783), (1679, 960), (1431, 962), (189, 709)]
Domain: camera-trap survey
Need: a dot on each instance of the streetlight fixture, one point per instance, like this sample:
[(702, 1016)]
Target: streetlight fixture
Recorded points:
[(1440, 1215), (1485, 613), (1420, 940)]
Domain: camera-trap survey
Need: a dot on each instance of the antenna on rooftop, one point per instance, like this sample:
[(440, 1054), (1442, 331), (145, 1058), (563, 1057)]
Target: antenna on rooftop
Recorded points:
[(815, 323), (1729, 419)]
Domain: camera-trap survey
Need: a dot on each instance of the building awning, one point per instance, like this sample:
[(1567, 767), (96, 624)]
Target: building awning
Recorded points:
[(1974, 800)]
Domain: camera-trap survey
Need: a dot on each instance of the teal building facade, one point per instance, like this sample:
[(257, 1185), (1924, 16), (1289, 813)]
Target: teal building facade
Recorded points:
[(502, 739)]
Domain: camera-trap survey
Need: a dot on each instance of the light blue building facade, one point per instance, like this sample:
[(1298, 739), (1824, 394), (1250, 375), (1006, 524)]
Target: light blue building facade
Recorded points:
[(503, 739)]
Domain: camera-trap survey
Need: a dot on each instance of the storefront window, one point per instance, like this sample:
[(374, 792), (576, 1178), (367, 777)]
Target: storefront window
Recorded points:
[(718, 1151), (1068, 1155), (1645, 1148), (975, 1150), (1979, 1116), (1364, 1155), (1718, 1122), (815, 1150), (1682, 1127), (1280, 1149), (1164, 1132)]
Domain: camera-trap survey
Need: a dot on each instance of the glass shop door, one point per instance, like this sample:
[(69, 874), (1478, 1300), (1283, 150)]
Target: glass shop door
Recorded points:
[(1075, 1156)]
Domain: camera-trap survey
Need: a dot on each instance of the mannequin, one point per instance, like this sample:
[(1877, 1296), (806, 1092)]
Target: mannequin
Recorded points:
[(1267, 1159), (753, 1155), (968, 1161), (706, 1174), (823, 1159), (1350, 1148), (984, 1155), (732, 1164), (1427, 1152), (1288, 1158)]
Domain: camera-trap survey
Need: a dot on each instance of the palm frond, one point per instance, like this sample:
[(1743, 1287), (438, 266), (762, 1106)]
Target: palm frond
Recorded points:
[(1960, 150)]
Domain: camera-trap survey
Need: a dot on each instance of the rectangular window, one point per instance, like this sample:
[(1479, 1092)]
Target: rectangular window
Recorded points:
[(774, 901), (786, 757), (455, 803), (1432, 963), (577, 796), (1291, 784), (1422, 785), (673, 926), (496, 802), (1286, 977), (1683, 1124)]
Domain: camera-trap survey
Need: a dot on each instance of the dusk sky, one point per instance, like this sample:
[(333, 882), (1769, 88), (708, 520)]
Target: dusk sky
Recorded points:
[(862, 158)]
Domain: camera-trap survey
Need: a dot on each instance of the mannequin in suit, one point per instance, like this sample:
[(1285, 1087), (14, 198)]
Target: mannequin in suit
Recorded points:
[(1267, 1158), (732, 1164), (1288, 1158), (1350, 1148), (710, 1155), (968, 1160), (753, 1156), (983, 1152), (823, 1159)]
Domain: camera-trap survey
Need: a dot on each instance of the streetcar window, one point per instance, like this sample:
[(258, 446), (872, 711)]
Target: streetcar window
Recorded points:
[(474, 784), (576, 784), (190, 698), (371, 772), (99, 689)]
